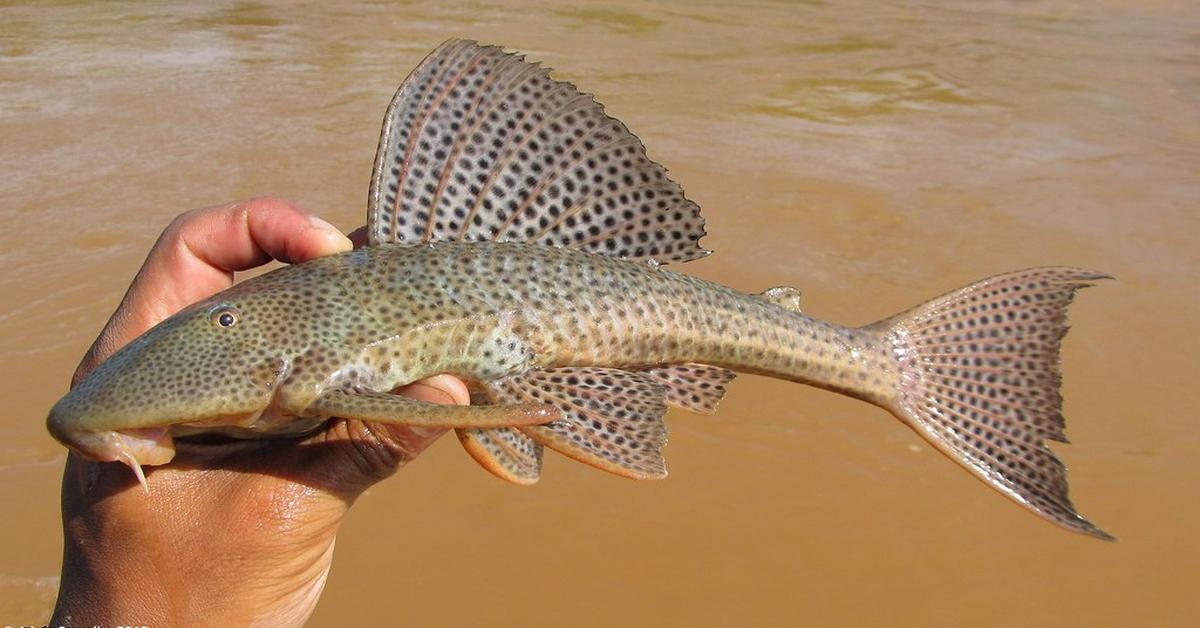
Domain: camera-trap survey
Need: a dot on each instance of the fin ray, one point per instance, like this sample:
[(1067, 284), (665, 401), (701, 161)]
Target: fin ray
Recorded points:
[(505, 452), (979, 374), (395, 409), (694, 387), (479, 144), (612, 419)]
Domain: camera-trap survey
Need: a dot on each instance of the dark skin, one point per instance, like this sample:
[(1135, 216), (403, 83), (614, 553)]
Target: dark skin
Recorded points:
[(228, 534)]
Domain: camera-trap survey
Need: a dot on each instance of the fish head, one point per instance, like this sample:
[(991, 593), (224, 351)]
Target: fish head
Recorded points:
[(217, 363)]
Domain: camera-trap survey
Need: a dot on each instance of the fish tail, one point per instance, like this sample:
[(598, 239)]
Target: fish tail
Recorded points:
[(978, 377)]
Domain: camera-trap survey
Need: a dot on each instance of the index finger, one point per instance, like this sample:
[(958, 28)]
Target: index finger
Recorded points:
[(197, 254)]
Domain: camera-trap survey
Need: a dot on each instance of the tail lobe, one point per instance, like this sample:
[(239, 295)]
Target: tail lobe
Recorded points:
[(979, 379)]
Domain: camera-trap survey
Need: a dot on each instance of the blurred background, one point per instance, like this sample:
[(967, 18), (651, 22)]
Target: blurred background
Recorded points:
[(872, 156)]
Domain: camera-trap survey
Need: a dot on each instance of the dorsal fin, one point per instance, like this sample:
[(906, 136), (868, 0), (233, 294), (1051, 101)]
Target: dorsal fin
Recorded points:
[(478, 144)]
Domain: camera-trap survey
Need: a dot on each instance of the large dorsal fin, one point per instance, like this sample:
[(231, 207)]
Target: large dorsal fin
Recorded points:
[(478, 144)]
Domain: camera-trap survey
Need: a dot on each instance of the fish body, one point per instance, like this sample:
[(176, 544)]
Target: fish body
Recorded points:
[(517, 240), (381, 317), (493, 310)]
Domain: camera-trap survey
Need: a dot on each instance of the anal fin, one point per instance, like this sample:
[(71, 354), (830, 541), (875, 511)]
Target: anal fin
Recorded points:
[(612, 419), (694, 387)]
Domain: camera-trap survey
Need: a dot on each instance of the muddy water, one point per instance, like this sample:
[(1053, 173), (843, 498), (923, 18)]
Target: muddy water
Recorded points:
[(871, 156)]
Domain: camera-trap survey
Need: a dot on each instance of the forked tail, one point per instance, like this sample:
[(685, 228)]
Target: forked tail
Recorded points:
[(979, 379)]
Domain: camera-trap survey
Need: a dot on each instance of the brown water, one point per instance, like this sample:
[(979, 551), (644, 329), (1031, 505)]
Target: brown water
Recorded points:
[(872, 156)]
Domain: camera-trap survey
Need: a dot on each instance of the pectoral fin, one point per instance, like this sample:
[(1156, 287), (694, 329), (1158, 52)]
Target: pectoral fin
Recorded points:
[(385, 408)]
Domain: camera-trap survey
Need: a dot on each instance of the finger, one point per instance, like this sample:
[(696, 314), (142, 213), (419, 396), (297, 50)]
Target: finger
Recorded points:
[(359, 237), (196, 255), (250, 233), (442, 388), (383, 448)]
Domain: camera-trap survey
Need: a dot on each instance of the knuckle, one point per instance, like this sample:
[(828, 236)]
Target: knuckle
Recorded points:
[(266, 201), (375, 452)]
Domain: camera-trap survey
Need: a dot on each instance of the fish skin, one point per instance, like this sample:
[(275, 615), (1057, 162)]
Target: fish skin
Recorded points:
[(550, 299), (546, 307)]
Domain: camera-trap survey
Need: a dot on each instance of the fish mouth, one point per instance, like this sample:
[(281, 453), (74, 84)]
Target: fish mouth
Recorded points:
[(153, 446), (133, 447)]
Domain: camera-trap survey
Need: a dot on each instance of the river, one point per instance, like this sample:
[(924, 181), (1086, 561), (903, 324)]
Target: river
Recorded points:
[(871, 155)]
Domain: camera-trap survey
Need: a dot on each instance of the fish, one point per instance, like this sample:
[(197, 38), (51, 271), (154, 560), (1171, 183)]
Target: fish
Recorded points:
[(519, 238)]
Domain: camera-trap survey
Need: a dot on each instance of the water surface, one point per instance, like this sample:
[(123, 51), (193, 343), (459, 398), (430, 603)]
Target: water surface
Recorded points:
[(871, 156)]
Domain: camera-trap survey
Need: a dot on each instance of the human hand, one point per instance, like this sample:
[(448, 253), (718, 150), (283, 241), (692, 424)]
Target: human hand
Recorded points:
[(230, 534)]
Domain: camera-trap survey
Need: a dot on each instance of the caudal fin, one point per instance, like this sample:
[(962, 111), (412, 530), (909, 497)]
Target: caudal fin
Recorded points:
[(980, 381)]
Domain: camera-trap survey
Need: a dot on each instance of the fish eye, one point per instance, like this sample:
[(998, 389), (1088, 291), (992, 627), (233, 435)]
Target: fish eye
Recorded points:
[(225, 316)]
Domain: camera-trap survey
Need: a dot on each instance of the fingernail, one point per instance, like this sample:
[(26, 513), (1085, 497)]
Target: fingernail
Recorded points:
[(336, 239)]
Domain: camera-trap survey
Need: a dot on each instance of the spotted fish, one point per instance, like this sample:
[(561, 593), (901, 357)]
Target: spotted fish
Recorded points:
[(517, 238)]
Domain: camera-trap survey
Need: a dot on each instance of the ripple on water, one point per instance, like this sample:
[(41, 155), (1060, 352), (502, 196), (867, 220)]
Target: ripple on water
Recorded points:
[(842, 45), (27, 600), (880, 93), (611, 19)]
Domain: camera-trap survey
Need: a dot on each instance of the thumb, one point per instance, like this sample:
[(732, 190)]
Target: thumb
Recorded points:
[(443, 389), (446, 389)]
